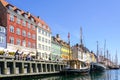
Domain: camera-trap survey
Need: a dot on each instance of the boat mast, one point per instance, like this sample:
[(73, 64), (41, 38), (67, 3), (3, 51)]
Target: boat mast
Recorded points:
[(81, 42), (69, 43), (104, 48), (97, 51), (116, 59)]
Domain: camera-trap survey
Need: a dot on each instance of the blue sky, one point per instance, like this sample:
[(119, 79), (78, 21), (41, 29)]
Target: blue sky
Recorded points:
[(99, 19)]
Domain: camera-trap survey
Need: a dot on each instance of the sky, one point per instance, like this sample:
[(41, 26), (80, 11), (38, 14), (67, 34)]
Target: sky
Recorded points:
[(99, 19)]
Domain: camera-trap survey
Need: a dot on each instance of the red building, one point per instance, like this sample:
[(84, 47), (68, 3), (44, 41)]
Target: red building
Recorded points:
[(21, 28)]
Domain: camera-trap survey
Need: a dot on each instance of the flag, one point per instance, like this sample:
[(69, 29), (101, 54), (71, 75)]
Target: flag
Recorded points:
[(68, 38), (68, 35)]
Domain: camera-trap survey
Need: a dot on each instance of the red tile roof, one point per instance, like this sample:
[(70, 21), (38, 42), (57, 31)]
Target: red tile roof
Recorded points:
[(37, 20)]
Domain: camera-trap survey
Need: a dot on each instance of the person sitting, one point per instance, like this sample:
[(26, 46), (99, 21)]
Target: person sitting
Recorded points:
[(28, 58)]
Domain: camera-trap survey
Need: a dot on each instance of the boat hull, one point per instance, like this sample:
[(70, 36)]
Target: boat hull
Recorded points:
[(97, 67), (76, 71)]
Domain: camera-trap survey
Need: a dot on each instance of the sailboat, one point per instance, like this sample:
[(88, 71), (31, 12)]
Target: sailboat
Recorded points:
[(74, 64), (97, 67), (115, 65)]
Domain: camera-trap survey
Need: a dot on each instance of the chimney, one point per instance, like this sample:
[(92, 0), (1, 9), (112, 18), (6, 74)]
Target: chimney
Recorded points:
[(58, 36), (38, 17), (28, 13)]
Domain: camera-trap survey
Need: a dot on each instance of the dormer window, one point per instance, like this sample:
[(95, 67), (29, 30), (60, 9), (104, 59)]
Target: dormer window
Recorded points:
[(25, 15), (44, 26), (39, 24), (10, 7), (32, 19), (18, 11)]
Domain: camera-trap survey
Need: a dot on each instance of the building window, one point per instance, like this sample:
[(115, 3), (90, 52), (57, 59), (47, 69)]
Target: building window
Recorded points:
[(39, 46), (10, 7), (33, 27), (12, 29), (11, 17), (29, 25), (18, 20), (29, 44), (1, 39), (42, 39), (43, 32), (2, 29), (46, 33), (29, 35), (39, 24), (18, 31), (45, 40), (12, 40), (39, 30), (24, 43), (24, 23), (33, 36), (49, 35), (49, 48), (18, 42), (42, 47), (39, 38), (24, 33), (32, 19), (25, 16), (18, 12), (33, 46), (49, 42)]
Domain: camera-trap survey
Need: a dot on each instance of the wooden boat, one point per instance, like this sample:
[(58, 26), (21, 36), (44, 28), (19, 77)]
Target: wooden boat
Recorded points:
[(97, 67), (74, 67)]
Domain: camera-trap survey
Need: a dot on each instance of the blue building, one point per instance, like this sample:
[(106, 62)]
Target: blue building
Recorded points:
[(3, 37)]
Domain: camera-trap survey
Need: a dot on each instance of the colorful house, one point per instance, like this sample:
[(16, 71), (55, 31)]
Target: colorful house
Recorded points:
[(55, 49), (43, 39), (3, 44), (21, 28)]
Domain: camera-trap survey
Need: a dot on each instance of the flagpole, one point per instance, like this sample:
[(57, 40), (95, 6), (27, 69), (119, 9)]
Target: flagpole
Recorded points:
[(69, 43)]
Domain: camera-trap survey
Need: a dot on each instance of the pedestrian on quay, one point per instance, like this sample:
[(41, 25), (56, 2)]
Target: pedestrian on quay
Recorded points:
[(6, 53), (28, 57), (17, 55), (21, 56)]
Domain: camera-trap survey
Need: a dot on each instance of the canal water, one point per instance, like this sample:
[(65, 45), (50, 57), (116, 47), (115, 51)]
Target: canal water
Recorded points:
[(107, 75)]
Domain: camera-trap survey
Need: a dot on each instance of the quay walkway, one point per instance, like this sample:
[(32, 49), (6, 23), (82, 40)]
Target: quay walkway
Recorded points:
[(10, 67)]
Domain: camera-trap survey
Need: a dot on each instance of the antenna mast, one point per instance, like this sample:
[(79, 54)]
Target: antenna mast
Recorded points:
[(81, 42)]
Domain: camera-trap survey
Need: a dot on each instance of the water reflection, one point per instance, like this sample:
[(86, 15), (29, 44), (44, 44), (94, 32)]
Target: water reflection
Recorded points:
[(108, 75)]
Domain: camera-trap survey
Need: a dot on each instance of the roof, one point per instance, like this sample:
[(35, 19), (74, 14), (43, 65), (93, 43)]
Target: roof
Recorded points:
[(37, 20)]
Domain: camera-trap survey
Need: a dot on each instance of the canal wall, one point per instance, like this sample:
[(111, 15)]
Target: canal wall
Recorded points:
[(10, 67)]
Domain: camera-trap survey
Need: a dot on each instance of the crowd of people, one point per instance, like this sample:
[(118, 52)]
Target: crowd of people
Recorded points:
[(20, 55)]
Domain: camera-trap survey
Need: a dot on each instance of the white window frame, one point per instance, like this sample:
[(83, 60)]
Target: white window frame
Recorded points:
[(33, 36), (11, 17), (12, 40), (24, 23), (29, 35), (29, 25), (11, 29), (24, 33), (18, 31), (24, 43), (1, 39), (18, 42), (18, 20), (2, 29)]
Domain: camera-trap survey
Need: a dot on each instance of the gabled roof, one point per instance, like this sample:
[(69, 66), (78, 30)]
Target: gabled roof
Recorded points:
[(37, 20)]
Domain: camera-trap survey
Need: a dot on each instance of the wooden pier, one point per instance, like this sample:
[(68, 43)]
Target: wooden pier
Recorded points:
[(10, 67)]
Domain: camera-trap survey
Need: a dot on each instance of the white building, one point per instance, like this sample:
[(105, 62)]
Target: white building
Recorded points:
[(43, 40)]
